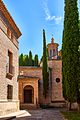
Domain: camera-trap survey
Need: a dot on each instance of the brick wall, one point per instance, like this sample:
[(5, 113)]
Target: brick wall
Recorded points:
[(23, 82), (31, 71), (55, 87), (5, 45), (56, 66)]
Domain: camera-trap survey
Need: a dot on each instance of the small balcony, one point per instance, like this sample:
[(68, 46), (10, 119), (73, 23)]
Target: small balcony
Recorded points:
[(9, 71)]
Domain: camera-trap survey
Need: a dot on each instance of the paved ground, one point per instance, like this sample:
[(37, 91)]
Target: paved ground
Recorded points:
[(43, 114)]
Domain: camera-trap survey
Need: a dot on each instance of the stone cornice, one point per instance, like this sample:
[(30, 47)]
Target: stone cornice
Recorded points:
[(53, 44), (9, 38), (30, 67), (4, 10), (23, 76)]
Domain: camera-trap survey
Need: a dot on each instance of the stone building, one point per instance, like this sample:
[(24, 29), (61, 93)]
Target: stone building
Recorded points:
[(31, 83), (9, 34), (29, 78)]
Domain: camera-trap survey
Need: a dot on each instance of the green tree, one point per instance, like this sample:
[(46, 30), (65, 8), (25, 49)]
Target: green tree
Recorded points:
[(78, 73), (45, 67), (36, 60), (79, 25), (30, 58), (32, 62), (21, 60), (25, 60), (70, 54)]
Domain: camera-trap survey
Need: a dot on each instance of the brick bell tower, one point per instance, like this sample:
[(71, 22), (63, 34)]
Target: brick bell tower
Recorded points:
[(52, 50)]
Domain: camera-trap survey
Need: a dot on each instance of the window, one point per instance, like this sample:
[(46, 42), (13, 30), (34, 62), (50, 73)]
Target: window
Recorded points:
[(57, 80), (12, 37), (8, 32), (50, 53), (53, 52), (9, 92), (10, 62), (9, 66)]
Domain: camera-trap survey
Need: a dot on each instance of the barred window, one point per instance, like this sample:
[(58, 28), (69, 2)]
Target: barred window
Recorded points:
[(10, 56), (9, 92)]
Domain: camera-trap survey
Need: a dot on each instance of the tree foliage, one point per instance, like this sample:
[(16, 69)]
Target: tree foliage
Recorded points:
[(21, 60), (79, 25), (27, 60), (70, 54), (36, 60), (45, 67), (30, 58)]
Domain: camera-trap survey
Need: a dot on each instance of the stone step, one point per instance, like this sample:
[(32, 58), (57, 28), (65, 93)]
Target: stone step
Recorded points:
[(34, 118), (29, 107), (14, 115), (60, 104), (9, 118)]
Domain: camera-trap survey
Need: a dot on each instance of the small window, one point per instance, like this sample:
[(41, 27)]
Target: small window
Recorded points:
[(9, 66), (12, 37), (8, 32), (57, 80), (9, 92), (10, 57)]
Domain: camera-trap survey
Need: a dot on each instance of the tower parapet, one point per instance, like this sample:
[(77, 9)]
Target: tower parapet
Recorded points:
[(52, 50)]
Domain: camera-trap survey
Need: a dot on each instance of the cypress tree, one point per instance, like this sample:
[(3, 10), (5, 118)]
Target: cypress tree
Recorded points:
[(21, 60), (36, 60), (30, 58), (79, 25), (78, 73), (32, 62), (44, 68), (25, 60), (70, 55)]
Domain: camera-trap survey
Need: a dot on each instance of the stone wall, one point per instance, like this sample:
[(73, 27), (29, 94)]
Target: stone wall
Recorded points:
[(55, 88), (31, 71), (5, 45), (23, 82), (8, 107), (56, 66)]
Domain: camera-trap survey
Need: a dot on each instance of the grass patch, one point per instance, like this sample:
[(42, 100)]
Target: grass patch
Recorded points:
[(71, 115)]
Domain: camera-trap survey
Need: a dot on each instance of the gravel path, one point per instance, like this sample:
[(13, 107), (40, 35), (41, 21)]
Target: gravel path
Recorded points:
[(43, 114)]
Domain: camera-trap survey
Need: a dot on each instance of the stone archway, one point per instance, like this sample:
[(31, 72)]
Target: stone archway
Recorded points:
[(29, 94)]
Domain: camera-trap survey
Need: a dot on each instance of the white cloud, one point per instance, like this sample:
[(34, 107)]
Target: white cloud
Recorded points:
[(58, 19), (49, 17)]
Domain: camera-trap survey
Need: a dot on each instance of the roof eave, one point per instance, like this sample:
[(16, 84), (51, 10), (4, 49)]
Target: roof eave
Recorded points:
[(10, 19)]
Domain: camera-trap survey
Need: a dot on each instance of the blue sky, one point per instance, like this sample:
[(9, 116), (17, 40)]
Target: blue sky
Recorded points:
[(32, 16)]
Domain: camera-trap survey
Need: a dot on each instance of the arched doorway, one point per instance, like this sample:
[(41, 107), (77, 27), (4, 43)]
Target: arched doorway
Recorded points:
[(28, 94)]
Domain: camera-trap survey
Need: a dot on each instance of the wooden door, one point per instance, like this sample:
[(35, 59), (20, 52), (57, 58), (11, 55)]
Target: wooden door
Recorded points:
[(27, 96)]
